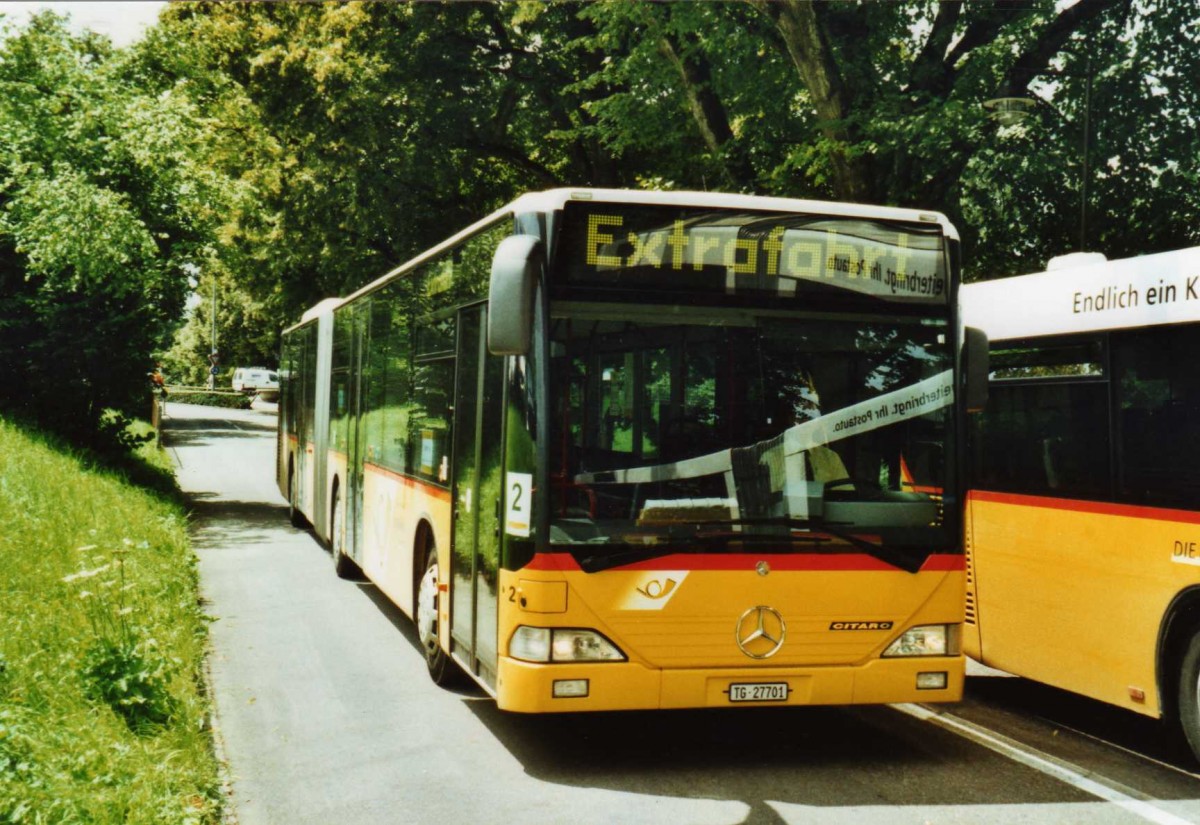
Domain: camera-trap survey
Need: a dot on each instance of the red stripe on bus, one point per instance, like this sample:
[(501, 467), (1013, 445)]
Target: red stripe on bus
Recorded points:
[(422, 486), (1102, 508), (859, 562)]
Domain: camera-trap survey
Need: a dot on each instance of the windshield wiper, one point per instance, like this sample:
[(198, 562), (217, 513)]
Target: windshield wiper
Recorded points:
[(596, 562), (888, 555), (694, 543), (680, 543)]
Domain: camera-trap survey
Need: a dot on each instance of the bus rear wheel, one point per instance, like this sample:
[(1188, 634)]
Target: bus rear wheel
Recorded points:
[(343, 565), (294, 514), (1189, 694), (442, 670)]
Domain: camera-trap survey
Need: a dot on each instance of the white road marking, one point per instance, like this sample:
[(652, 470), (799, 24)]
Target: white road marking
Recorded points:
[(1106, 789)]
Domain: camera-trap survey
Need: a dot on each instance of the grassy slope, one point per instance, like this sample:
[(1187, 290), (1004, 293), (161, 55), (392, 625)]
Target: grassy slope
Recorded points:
[(86, 557)]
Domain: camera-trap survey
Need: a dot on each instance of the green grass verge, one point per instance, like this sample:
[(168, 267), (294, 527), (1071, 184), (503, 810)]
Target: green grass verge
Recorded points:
[(102, 712)]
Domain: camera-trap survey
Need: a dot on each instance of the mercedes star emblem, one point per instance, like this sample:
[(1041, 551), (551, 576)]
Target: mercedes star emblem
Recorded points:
[(760, 632)]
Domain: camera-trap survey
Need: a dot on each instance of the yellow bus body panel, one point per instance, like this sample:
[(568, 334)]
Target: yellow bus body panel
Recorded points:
[(678, 626), (1073, 594), (394, 507), (682, 648)]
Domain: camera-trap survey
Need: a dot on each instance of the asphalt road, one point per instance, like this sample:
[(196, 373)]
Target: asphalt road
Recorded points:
[(326, 714)]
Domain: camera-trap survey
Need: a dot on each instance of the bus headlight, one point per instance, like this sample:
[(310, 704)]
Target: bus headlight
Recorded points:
[(926, 640), (543, 644)]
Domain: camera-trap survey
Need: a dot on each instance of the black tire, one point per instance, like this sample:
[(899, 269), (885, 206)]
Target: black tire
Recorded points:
[(343, 565), (294, 515), (1189, 694), (442, 669)]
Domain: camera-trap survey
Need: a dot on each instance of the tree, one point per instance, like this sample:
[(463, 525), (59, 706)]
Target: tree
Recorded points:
[(98, 214), (351, 136), (356, 135), (881, 102)]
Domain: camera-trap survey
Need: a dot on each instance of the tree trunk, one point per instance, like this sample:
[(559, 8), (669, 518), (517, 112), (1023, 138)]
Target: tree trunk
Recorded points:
[(808, 48), (709, 113)]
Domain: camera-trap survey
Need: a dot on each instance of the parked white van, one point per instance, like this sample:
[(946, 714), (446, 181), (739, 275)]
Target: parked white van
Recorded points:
[(255, 380)]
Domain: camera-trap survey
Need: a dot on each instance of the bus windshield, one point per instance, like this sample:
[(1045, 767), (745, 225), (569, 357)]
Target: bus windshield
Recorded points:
[(688, 429)]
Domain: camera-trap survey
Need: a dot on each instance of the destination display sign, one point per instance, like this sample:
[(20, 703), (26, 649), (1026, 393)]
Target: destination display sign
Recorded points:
[(735, 252)]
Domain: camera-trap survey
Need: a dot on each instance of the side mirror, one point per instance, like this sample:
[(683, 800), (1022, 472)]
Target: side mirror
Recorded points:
[(976, 369), (515, 269)]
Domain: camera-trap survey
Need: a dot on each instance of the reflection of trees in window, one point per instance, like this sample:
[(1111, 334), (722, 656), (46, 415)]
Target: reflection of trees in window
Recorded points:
[(879, 346), (339, 389), (658, 392), (398, 298), (473, 263), (429, 419), (657, 398), (700, 388), (407, 393), (520, 447), (310, 377), (375, 376), (1048, 359), (616, 402)]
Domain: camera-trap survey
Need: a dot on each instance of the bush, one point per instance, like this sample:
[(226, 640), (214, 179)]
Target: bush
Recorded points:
[(123, 665), (133, 678), (211, 399)]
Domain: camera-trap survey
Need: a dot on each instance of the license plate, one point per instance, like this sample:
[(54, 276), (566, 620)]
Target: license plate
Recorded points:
[(758, 692)]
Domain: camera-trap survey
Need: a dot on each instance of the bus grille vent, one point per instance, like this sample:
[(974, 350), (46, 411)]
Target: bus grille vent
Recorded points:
[(969, 608)]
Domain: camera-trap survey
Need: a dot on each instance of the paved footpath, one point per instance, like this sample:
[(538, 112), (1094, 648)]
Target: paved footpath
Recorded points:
[(326, 712), (328, 716)]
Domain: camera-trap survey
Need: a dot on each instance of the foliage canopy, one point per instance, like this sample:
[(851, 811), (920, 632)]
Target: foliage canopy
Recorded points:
[(280, 153)]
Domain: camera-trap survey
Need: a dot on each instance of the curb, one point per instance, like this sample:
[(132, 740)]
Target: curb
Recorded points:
[(225, 780)]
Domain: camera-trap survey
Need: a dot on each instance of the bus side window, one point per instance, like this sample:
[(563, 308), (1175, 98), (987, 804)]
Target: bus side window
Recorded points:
[(1158, 428), (429, 420), (1043, 438), (397, 372)]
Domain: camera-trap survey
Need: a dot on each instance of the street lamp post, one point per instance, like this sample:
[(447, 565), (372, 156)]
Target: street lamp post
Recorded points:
[(212, 358), (1010, 110)]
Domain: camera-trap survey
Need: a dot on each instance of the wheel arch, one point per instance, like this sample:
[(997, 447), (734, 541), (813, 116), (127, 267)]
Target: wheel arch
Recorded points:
[(1180, 622), (335, 487), (423, 538)]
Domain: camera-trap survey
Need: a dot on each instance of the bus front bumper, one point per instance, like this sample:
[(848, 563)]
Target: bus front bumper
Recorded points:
[(525, 687)]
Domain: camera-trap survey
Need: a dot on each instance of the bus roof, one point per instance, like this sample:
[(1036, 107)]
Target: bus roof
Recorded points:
[(316, 311), (553, 200), (1149, 290)]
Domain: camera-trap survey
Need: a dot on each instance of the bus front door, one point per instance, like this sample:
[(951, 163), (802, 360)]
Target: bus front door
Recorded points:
[(475, 557)]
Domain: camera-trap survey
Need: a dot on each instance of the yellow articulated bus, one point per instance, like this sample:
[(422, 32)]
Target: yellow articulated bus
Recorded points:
[(616, 450), (1084, 514)]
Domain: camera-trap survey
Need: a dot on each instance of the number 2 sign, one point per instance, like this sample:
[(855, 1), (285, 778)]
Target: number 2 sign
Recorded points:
[(518, 490)]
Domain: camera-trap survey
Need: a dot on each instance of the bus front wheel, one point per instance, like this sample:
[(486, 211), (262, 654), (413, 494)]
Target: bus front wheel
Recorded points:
[(441, 669), (1189, 694)]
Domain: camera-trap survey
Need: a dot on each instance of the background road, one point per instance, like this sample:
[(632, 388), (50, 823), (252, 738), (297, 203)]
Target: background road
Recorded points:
[(327, 715)]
